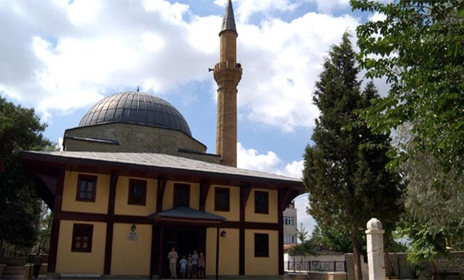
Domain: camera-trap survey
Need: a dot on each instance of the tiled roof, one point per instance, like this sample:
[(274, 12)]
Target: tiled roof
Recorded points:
[(159, 161)]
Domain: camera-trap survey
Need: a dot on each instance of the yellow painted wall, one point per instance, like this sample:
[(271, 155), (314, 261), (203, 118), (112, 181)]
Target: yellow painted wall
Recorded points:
[(100, 205), (168, 198), (80, 262), (122, 195), (131, 257), (272, 217), (261, 266), (234, 213), (228, 252)]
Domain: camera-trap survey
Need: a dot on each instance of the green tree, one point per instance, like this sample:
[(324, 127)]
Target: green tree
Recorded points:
[(20, 129), (333, 238), (417, 48), (344, 171), (428, 189), (301, 233)]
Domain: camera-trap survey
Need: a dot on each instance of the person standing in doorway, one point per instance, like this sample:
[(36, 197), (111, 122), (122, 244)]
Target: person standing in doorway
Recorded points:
[(37, 264), (183, 266), (201, 266), (195, 264), (189, 266), (172, 256)]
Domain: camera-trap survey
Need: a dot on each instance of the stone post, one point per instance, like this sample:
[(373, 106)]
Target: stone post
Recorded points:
[(375, 256)]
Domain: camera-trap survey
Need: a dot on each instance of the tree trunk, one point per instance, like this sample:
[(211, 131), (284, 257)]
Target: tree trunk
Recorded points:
[(356, 254)]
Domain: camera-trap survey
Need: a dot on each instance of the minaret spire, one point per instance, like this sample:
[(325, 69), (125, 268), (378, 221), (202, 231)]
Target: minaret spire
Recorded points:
[(227, 74), (228, 23)]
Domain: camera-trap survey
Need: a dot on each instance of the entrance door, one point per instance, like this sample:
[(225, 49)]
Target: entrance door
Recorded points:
[(185, 239)]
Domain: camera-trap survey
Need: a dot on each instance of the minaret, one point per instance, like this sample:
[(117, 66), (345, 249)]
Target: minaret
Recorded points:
[(227, 74)]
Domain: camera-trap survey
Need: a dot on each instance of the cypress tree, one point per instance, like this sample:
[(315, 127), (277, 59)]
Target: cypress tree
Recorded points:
[(345, 169)]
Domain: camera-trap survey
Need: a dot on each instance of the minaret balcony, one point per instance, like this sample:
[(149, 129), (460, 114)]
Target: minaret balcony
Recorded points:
[(230, 65)]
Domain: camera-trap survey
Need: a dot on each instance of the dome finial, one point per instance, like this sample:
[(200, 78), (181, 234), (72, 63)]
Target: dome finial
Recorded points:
[(138, 88)]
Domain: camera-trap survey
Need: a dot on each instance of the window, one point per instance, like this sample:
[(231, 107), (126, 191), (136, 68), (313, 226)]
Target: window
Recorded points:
[(261, 245), (289, 239), (261, 202), (221, 199), (86, 188), (82, 238), (289, 221), (181, 195), (286, 239), (137, 192)]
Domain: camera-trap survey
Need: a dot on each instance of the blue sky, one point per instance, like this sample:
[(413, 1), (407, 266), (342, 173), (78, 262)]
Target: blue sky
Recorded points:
[(62, 56)]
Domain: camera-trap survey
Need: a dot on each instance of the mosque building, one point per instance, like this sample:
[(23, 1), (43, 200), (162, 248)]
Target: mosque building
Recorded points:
[(133, 182)]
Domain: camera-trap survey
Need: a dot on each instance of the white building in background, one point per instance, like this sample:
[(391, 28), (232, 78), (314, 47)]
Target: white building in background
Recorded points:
[(290, 224)]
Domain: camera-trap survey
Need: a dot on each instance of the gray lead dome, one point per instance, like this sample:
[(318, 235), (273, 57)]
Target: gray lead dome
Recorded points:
[(136, 108)]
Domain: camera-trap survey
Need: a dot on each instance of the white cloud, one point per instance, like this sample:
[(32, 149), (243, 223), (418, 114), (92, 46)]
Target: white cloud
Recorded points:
[(281, 64), (270, 162), (377, 17), (63, 57), (252, 160), (244, 9), (301, 205), (328, 6)]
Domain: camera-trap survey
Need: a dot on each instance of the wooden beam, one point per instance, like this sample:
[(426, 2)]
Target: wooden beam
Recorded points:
[(282, 198), (245, 191), (154, 257), (56, 222), (160, 193), (110, 223), (204, 190), (284, 195)]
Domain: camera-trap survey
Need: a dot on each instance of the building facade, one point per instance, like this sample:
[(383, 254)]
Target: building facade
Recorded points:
[(120, 213), (132, 183), (290, 224)]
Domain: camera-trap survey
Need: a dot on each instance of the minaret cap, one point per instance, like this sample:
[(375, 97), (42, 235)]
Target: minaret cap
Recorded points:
[(228, 23)]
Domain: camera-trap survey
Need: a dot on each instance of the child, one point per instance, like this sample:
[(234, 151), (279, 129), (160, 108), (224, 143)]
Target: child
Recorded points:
[(183, 266)]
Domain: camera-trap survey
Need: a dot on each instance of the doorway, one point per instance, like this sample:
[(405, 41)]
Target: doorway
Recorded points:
[(185, 239)]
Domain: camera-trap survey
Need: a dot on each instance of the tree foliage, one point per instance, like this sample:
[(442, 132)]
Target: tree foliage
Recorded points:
[(418, 47), (301, 233), (333, 238), (434, 204), (20, 129), (344, 171)]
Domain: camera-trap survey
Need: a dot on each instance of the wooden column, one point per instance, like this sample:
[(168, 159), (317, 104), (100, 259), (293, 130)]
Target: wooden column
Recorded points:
[(217, 252), (56, 222), (161, 251), (110, 223), (154, 258), (160, 193), (245, 191)]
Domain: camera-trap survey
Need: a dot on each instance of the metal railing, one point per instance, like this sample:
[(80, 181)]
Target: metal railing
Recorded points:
[(329, 266)]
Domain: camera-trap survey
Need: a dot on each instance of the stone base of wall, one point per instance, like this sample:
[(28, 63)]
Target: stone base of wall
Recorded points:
[(315, 275), (296, 276), (225, 277)]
